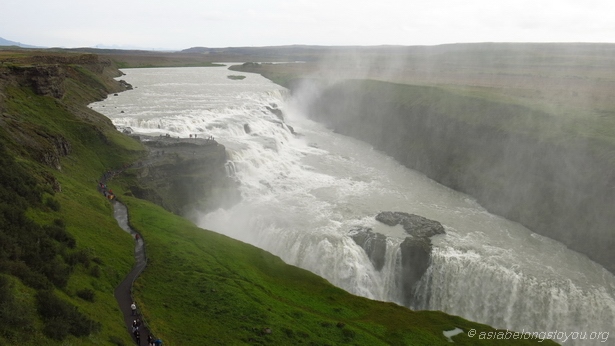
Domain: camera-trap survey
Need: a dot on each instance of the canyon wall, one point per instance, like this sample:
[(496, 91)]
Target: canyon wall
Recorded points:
[(517, 162)]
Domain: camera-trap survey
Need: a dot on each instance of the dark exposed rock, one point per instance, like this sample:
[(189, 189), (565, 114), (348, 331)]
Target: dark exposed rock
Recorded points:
[(60, 148), (374, 244), (414, 225), (415, 250), (125, 85), (246, 128), (46, 74), (278, 113), (184, 174), (415, 258), (46, 80)]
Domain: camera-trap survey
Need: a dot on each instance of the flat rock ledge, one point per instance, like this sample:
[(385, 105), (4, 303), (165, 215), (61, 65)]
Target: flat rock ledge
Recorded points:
[(414, 225)]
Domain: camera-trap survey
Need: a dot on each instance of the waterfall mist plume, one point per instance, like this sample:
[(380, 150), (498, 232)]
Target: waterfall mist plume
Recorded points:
[(527, 130), (524, 128)]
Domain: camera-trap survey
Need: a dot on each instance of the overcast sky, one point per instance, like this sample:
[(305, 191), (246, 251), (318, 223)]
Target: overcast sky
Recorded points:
[(180, 24)]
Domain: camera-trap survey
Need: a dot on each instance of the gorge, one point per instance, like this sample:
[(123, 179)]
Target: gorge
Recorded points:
[(304, 191)]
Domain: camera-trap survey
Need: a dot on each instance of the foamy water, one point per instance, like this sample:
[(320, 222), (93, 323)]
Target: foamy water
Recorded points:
[(303, 193)]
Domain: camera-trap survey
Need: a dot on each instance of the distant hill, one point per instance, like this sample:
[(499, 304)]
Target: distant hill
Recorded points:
[(466, 53), (292, 52), (4, 42)]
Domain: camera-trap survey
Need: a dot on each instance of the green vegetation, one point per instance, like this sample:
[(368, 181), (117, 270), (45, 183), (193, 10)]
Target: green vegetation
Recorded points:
[(226, 293), (62, 252), (234, 77)]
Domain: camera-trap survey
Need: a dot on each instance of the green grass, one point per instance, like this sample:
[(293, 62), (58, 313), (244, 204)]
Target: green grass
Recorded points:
[(203, 287), (32, 124)]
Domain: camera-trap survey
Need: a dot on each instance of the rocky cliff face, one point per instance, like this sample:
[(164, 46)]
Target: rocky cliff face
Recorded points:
[(178, 175), (184, 175), (562, 189), (48, 76)]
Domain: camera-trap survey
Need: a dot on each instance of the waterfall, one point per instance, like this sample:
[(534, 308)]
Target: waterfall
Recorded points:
[(469, 285), (302, 194), (229, 166)]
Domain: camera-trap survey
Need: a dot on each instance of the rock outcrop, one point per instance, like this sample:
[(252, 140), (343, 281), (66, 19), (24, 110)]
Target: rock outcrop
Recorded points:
[(415, 259), (183, 175), (374, 244), (415, 249), (415, 225)]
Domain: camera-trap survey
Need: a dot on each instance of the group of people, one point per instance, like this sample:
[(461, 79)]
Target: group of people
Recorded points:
[(102, 186), (136, 324), (210, 138), (108, 193)]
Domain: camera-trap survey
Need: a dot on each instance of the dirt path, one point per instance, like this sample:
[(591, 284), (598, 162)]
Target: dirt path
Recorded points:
[(123, 290)]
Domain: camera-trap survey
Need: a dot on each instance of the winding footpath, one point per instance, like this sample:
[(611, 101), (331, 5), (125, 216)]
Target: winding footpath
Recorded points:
[(123, 292)]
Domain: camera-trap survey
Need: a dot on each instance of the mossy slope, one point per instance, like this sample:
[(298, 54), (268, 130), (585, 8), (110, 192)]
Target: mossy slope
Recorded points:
[(60, 145)]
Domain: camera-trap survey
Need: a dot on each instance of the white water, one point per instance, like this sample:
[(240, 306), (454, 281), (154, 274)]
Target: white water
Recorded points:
[(302, 194)]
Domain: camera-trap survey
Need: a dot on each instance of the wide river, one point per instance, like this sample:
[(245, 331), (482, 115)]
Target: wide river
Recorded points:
[(303, 193)]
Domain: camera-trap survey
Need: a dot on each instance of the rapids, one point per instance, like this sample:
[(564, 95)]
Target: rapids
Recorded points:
[(301, 194)]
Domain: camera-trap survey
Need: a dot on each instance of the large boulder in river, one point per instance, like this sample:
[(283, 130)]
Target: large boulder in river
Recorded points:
[(415, 250), (374, 244), (415, 225)]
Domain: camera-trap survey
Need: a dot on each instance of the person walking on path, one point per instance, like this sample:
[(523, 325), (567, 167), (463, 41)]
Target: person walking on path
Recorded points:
[(133, 308), (137, 337), (150, 340)]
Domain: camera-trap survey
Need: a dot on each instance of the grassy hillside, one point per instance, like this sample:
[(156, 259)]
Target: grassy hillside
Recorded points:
[(62, 253)]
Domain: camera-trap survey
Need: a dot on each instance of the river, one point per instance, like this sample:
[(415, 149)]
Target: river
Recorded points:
[(302, 193)]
